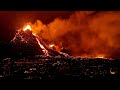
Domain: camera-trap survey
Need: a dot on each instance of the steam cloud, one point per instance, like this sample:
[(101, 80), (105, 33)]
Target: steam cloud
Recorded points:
[(85, 33)]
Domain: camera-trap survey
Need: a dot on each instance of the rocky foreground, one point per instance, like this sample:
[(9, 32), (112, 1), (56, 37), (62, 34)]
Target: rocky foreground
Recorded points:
[(59, 68)]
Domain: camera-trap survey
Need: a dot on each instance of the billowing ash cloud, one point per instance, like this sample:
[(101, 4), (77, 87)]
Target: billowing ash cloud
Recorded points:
[(85, 33)]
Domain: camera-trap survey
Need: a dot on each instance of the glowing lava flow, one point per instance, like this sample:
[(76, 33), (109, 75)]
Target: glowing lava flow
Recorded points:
[(28, 27), (44, 50)]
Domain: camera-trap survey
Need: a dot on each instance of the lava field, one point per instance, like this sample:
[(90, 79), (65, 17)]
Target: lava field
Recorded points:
[(41, 67)]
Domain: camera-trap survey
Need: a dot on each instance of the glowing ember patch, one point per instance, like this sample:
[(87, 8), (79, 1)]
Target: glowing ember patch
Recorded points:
[(100, 56), (112, 72), (51, 45), (27, 27), (34, 34)]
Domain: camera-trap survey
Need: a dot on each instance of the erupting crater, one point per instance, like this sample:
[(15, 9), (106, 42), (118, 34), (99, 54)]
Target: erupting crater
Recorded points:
[(29, 43)]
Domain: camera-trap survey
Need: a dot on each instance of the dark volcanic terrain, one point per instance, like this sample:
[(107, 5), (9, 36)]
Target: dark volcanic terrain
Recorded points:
[(59, 68)]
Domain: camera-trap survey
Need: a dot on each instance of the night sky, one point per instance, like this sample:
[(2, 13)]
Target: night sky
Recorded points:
[(10, 21)]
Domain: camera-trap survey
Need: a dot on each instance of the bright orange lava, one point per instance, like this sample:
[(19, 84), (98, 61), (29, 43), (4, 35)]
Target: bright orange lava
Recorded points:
[(27, 27), (51, 45)]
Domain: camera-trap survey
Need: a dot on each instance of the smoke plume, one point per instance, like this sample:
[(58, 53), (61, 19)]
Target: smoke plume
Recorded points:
[(84, 33)]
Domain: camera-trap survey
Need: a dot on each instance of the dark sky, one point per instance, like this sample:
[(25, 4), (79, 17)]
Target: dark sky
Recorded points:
[(10, 21)]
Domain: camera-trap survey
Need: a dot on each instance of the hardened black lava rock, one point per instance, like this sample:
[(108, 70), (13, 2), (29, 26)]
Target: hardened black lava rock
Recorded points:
[(60, 68)]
